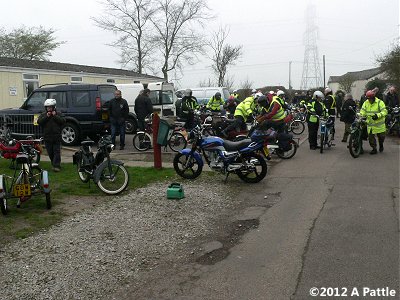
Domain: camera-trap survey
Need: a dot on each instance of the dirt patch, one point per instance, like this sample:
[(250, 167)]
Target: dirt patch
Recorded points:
[(74, 204)]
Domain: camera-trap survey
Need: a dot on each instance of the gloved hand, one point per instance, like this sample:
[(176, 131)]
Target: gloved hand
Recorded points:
[(375, 117)]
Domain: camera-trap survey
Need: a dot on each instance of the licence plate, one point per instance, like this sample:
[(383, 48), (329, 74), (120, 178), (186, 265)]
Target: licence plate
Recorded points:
[(104, 116), (266, 150), (22, 190)]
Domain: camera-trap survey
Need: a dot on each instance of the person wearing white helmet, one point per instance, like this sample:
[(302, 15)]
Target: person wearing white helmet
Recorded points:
[(315, 107), (52, 121), (280, 97), (330, 104), (235, 95)]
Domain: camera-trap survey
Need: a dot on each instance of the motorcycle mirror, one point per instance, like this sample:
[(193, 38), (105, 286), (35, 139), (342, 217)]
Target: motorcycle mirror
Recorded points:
[(209, 119)]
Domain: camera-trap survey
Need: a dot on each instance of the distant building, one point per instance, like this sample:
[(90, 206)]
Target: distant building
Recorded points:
[(361, 79), (19, 77)]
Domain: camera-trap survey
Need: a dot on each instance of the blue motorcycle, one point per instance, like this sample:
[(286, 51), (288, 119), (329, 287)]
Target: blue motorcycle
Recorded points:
[(221, 155)]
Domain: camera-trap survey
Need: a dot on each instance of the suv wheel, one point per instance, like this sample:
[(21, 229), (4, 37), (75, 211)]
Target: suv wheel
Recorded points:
[(70, 134), (130, 126)]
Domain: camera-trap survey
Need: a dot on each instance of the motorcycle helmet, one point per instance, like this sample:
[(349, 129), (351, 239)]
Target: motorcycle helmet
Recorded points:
[(50, 102), (327, 91), (318, 94), (280, 93), (370, 94), (188, 92)]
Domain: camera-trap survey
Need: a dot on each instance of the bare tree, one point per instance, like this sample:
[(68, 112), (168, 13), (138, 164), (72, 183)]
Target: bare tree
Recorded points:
[(229, 82), (175, 35), (346, 81), (224, 54), (246, 87), (130, 21), (28, 43), (206, 82)]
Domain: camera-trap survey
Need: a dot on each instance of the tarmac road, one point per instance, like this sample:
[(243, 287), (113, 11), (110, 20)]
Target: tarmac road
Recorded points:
[(334, 223)]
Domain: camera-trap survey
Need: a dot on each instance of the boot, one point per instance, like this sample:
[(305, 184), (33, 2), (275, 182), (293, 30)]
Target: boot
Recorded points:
[(373, 151), (381, 147)]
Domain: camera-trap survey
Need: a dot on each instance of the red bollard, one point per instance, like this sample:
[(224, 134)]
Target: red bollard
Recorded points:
[(156, 147)]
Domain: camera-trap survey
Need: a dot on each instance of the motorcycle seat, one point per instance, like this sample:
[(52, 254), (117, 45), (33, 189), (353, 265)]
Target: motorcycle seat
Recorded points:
[(234, 146)]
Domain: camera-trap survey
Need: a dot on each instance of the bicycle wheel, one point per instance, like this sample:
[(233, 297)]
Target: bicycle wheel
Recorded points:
[(355, 144), (177, 142), (297, 127), (3, 206), (113, 179), (142, 141), (83, 175), (322, 142)]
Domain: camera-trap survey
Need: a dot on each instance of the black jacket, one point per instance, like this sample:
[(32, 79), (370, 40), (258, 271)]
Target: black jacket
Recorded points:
[(392, 100), (118, 110), (143, 106), (51, 127), (330, 104), (348, 111)]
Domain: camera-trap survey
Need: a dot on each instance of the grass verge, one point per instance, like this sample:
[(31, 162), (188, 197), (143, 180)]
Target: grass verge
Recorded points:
[(66, 188)]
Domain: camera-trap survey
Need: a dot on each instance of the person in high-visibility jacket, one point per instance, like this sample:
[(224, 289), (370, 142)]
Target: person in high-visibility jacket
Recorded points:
[(189, 104), (374, 109), (315, 108), (235, 94), (330, 104), (242, 112), (215, 102), (273, 114)]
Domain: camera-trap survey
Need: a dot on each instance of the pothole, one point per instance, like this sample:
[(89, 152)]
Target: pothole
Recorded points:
[(234, 233)]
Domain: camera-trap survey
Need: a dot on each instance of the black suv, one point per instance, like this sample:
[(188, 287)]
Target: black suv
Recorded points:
[(80, 104)]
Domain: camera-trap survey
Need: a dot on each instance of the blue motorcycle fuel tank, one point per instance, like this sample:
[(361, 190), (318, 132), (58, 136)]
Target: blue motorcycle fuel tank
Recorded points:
[(212, 142)]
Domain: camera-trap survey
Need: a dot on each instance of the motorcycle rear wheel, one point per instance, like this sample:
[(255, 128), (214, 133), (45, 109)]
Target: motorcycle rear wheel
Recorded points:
[(287, 154), (83, 176), (187, 166), (259, 168)]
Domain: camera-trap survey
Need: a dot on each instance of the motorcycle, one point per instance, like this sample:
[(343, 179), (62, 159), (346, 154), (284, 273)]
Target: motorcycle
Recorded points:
[(221, 155), (393, 121), (356, 136)]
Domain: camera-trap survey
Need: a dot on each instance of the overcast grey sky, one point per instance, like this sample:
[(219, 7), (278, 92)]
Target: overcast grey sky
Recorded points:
[(351, 34)]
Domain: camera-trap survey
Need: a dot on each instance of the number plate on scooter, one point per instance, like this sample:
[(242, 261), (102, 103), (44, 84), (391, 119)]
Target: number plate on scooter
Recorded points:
[(22, 190), (266, 151)]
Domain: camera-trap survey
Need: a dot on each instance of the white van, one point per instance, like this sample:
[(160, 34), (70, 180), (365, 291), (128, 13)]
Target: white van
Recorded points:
[(162, 95), (203, 94)]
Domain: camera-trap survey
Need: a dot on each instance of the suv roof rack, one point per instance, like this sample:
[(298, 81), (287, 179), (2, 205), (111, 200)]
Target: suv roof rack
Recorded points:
[(53, 84)]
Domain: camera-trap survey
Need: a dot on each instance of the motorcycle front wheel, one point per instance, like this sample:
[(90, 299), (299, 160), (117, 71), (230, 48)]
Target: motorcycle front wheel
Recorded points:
[(113, 179), (254, 168), (187, 166), (355, 144), (322, 143)]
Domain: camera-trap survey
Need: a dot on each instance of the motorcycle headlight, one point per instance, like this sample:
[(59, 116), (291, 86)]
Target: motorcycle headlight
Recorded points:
[(110, 147)]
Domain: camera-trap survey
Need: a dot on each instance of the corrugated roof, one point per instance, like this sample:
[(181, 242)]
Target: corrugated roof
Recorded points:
[(358, 75), (56, 66)]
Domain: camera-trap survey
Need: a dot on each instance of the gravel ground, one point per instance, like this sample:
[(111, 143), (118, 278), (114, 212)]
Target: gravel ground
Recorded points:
[(93, 253)]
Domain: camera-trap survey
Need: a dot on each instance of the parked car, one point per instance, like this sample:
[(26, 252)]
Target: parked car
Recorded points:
[(162, 96), (81, 104)]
